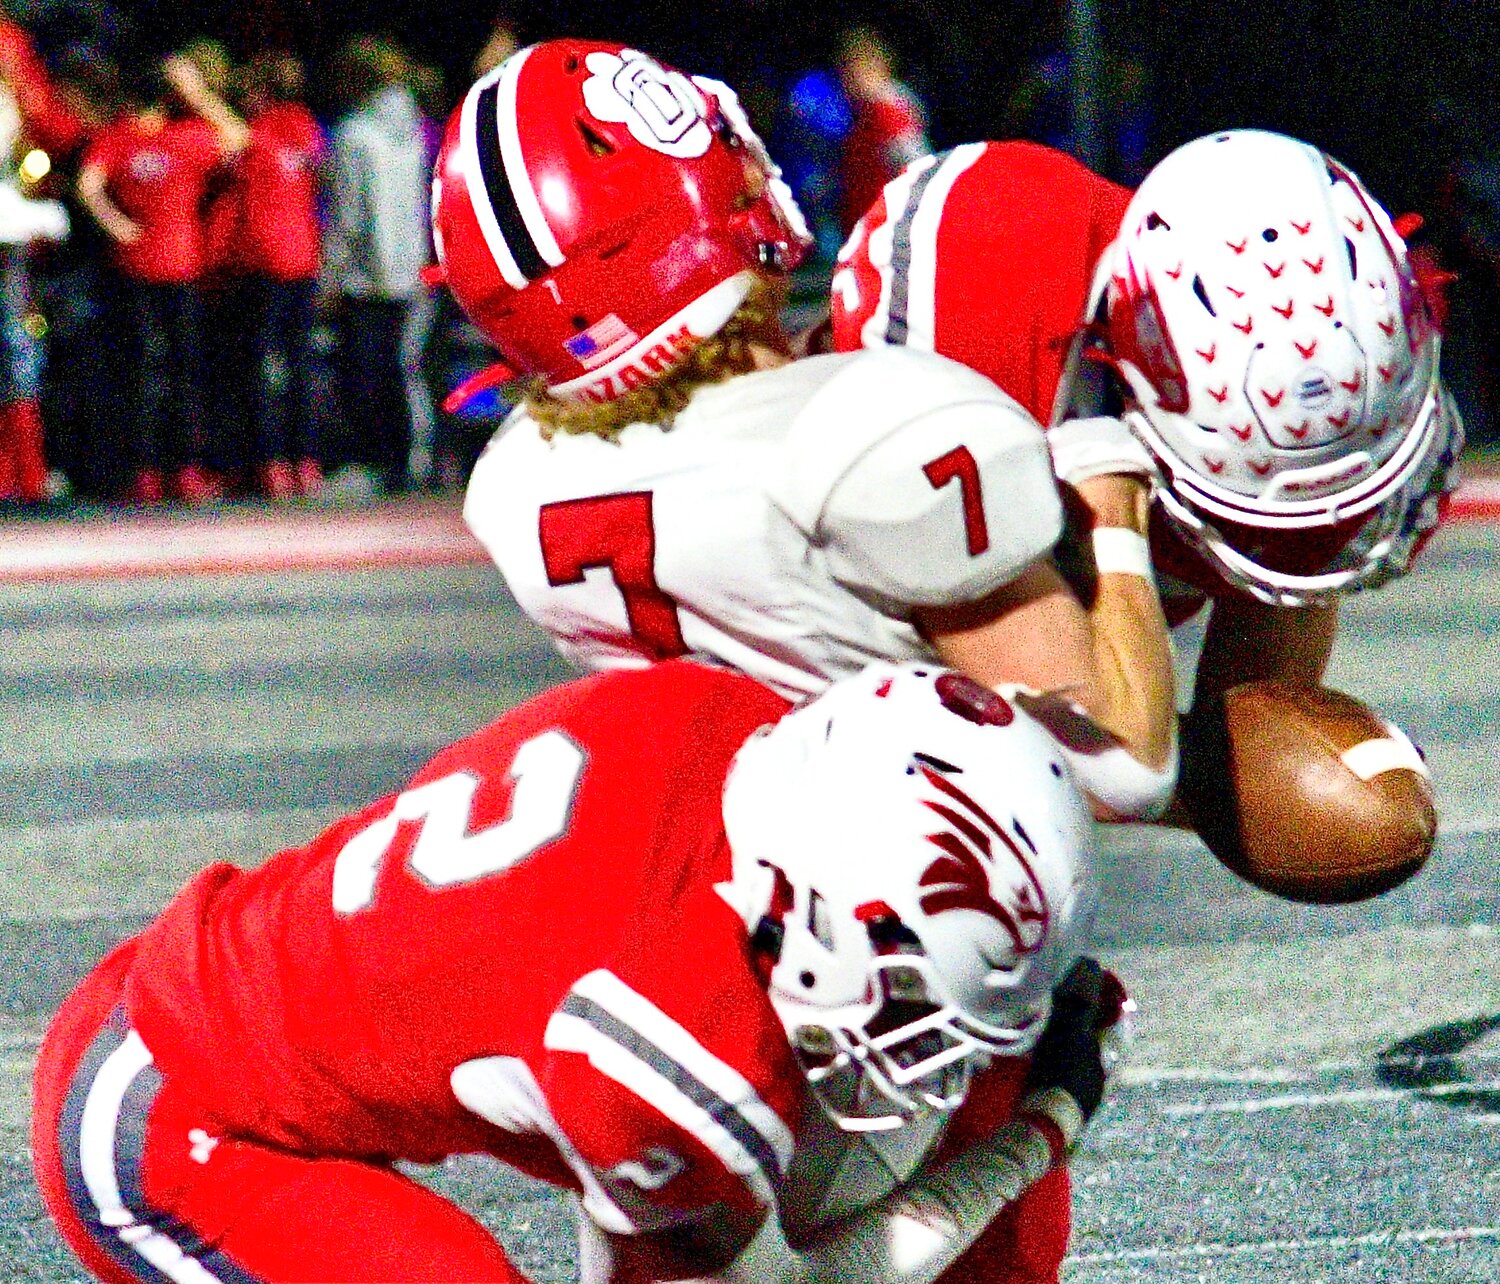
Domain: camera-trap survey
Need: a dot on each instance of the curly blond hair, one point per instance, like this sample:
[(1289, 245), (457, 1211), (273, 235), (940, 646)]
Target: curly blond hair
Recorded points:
[(756, 322)]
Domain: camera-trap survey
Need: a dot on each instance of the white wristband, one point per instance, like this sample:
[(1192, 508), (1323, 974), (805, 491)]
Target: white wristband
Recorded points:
[(1122, 552)]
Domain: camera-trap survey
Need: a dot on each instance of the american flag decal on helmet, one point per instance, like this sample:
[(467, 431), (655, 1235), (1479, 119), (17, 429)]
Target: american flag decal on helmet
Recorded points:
[(601, 342), (960, 877), (505, 202)]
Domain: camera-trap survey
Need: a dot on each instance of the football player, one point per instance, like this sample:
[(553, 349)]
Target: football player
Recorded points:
[(1271, 349), (721, 973), (676, 484)]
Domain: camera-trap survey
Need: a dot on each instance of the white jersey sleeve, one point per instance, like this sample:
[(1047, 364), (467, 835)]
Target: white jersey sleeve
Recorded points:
[(921, 483)]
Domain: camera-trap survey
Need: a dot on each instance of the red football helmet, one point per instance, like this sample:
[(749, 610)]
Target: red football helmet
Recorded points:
[(597, 214)]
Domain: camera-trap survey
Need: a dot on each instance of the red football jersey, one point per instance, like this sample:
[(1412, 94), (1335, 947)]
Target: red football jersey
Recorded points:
[(521, 954), (984, 254), (159, 178)]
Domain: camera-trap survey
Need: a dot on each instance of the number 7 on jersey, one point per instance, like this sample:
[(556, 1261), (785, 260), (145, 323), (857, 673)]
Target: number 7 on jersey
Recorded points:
[(959, 465), (616, 533)]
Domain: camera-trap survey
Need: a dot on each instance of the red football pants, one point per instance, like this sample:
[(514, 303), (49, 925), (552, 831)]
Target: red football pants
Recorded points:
[(137, 1182), (1026, 1244)]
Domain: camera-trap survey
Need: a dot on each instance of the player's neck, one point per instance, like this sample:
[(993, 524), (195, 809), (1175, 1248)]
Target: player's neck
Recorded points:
[(767, 357)]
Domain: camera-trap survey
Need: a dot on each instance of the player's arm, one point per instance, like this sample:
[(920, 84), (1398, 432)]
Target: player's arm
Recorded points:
[(184, 76), (93, 191), (1113, 657), (1248, 640), (938, 501), (919, 1230), (678, 1143)]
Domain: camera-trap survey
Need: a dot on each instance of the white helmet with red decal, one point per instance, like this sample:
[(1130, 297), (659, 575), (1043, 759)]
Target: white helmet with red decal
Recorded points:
[(913, 860), (1284, 365)]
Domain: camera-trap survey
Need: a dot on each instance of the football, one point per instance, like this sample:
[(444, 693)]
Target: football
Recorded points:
[(1306, 792)]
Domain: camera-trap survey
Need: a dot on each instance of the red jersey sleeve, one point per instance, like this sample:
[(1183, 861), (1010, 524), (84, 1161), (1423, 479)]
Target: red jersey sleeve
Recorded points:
[(197, 144), (45, 117), (670, 1075)]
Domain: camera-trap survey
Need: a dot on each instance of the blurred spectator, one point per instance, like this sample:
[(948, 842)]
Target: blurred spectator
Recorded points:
[(82, 403), (429, 87), (503, 41), (225, 329), (889, 129), (144, 179), (808, 143), (277, 248), (29, 112), (48, 120), (1469, 229), (375, 246)]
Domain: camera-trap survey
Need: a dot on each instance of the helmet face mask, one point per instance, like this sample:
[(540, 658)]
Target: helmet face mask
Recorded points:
[(1269, 327), (912, 860), (908, 1053), (598, 214)]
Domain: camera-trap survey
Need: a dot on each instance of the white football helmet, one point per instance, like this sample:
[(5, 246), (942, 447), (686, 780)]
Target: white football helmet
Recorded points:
[(1284, 366), (914, 863)]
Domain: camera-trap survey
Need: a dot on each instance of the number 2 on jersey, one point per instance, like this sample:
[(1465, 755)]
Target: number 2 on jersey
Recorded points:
[(617, 533), (959, 465), (545, 771)]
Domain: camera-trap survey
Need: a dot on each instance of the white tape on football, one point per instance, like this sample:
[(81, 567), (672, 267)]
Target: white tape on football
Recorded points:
[(1372, 757)]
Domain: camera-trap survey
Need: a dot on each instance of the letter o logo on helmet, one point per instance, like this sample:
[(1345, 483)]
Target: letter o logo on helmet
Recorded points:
[(598, 214), (661, 108)]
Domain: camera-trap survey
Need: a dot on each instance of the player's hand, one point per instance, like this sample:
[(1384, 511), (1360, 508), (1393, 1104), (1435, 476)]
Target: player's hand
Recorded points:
[(1095, 447), (1084, 1038)]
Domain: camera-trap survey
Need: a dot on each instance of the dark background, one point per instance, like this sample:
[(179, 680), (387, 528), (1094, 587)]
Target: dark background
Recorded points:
[(1384, 85), (1401, 92), (1393, 89)]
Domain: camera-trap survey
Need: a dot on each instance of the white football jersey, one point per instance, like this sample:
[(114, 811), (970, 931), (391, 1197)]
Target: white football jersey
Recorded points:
[(788, 525)]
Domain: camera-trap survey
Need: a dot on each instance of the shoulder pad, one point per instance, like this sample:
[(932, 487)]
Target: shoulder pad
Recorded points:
[(921, 481)]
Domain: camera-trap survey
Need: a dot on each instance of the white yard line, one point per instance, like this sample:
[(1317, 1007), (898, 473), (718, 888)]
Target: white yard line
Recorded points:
[(1445, 1237), (1304, 1101)]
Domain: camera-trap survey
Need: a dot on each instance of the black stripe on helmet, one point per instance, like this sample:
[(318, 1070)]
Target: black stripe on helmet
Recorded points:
[(497, 186)]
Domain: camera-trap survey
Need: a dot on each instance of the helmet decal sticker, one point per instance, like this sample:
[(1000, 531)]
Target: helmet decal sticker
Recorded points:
[(662, 109), (960, 880)]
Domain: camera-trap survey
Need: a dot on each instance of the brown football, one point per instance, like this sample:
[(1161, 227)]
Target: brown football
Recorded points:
[(1307, 792)]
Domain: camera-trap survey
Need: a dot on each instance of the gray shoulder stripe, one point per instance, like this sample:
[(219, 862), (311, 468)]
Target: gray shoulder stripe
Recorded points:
[(723, 1112), (896, 329)]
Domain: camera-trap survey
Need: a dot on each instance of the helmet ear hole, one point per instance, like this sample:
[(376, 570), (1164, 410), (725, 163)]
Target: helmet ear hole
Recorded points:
[(597, 144)]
